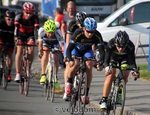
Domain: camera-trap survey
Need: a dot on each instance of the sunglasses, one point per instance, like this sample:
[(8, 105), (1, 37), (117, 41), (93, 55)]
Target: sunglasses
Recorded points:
[(91, 32), (10, 19)]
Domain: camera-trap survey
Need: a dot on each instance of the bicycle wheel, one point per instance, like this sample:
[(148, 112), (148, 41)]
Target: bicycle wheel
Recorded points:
[(83, 92), (21, 86), (27, 78), (4, 76), (74, 97), (52, 82), (120, 98), (47, 84)]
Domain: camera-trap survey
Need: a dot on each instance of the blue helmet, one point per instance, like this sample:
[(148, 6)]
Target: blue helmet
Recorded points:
[(90, 24)]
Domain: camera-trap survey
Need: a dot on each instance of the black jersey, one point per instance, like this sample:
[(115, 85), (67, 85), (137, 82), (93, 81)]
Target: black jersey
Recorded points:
[(6, 32), (26, 26), (128, 53), (72, 27), (79, 37)]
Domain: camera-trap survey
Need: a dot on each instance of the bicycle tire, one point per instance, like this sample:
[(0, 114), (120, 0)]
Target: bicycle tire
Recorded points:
[(27, 78), (21, 86), (52, 82), (46, 85), (83, 92), (74, 97), (4, 75), (122, 87), (119, 106)]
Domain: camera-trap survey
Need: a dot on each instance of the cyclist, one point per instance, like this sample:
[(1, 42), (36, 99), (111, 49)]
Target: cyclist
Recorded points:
[(73, 25), (7, 37), (87, 34), (48, 33), (26, 25), (119, 50)]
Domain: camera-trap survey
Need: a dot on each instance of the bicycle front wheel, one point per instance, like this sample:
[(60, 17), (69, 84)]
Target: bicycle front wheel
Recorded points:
[(27, 78), (120, 98), (83, 92), (4, 76), (52, 82)]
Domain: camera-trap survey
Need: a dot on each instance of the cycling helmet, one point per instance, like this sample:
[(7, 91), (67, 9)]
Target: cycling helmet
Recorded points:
[(121, 39), (80, 17), (50, 26), (28, 7), (10, 14), (90, 24)]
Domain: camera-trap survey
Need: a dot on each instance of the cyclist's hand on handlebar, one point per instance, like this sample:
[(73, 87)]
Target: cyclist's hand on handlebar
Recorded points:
[(136, 74), (107, 70), (99, 66)]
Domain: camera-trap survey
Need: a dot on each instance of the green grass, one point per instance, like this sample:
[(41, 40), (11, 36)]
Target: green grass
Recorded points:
[(144, 73)]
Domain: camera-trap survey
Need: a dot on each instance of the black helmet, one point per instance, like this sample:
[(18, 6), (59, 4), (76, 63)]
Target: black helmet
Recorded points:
[(80, 16), (10, 14), (121, 38)]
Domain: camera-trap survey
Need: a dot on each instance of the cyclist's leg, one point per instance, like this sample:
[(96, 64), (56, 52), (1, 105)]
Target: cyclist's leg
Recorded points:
[(89, 68), (31, 41), (71, 72), (107, 86), (9, 61), (18, 56), (44, 61), (56, 57), (124, 66)]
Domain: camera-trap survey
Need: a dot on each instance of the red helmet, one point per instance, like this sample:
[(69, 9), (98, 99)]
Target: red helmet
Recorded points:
[(28, 7)]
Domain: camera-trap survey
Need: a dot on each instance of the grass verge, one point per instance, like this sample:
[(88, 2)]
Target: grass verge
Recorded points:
[(144, 73)]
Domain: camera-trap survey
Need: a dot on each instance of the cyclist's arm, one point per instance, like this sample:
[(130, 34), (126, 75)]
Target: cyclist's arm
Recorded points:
[(36, 27), (41, 33), (101, 50), (69, 50), (108, 54), (17, 25)]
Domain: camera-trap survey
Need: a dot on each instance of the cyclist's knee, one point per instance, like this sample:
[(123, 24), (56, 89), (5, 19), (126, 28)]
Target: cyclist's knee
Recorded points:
[(31, 42)]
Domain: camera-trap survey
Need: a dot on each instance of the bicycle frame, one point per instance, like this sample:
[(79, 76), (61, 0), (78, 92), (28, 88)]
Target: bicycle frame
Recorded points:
[(80, 87), (49, 87), (25, 71)]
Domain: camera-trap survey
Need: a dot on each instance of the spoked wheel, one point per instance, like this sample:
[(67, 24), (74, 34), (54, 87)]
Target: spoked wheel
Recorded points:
[(83, 92), (4, 76), (21, 86), (26, 86), (52, 82), (120, 99), (72, 103)]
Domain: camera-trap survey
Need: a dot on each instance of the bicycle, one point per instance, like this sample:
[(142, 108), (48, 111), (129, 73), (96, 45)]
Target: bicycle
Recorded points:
[(49, 86), (25, 70), (3, 58), (3, 68), (116, 99), (79, 88)]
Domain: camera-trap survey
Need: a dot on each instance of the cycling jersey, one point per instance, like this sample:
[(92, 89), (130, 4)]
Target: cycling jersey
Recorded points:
[(59, 19), (6, 33), (49, 41), (127, 55), (79, 37), (24, 26), (72, 27)]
